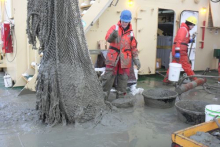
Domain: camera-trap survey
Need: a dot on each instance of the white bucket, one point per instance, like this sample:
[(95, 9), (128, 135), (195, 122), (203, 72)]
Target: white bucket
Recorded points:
[(174, 71), (7, 81), (136, 73), (211, 111)]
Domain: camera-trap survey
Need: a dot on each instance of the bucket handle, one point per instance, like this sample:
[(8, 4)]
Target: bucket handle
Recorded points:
[(216, 121), (6, 74)]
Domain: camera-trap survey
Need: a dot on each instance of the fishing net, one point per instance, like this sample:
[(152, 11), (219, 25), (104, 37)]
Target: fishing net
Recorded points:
[(67, 87)]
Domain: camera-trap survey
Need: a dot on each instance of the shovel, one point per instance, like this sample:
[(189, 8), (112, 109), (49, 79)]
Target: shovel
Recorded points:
[(193, 37)]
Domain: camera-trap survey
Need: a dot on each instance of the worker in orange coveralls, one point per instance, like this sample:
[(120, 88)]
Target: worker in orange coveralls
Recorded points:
[(180, 47), (122, 51)]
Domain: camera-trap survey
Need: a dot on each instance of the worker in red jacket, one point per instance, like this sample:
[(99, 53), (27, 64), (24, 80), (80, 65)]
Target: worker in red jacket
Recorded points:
[(180, 47), (122, 51)]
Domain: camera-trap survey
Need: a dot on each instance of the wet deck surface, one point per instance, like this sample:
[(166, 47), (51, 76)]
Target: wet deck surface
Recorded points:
[(140, 126)]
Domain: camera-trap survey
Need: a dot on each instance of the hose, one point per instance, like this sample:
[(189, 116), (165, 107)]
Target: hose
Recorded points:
[(216, 121), (160, 73), (198, 76), (205, 86)]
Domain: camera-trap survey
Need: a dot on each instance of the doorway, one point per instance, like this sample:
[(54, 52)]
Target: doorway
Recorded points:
[(164, 38)]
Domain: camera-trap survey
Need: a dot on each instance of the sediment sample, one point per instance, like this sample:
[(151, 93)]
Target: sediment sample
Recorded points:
[(206, 139)]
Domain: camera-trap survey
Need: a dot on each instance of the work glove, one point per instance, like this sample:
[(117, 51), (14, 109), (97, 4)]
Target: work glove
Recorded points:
[(177, 55), (137, 63), (113, 35), (191, 41)]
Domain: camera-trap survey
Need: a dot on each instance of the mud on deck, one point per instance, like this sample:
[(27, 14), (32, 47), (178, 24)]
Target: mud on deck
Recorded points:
[(140, 126)]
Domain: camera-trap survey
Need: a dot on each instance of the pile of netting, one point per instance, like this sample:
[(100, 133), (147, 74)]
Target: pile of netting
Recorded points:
[(67, 87)]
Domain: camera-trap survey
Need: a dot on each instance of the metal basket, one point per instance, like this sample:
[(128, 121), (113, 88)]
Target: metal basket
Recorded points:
[(160, 98), (194, 114)]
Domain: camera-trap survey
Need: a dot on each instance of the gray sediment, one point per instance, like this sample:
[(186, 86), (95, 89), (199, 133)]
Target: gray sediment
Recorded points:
[(124, 102), (159, 93), (206, 139)]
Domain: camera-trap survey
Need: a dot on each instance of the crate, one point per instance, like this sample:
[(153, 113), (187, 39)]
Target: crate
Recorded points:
[(158, 63), (164, 55), (182, 137)]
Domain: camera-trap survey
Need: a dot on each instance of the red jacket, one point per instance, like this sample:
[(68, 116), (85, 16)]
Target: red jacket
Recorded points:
[(181, 40), (124, 46)]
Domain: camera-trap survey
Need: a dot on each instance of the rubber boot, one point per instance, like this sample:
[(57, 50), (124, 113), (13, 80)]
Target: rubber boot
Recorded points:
[(121, 86), (107, 82), (120, 94)]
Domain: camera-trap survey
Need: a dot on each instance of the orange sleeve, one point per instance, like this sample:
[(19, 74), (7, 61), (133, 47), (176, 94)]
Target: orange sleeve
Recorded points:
[(181, 35), (134, 49)]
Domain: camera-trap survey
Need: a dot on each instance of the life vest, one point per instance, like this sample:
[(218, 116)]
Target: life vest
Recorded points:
[(123, 48)]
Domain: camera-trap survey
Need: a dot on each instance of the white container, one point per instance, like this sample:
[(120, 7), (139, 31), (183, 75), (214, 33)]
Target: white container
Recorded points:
[(25, 74), (7, 81), (84, 12), (92, 2), (33, 64), (136, 73), (174, 71), (29, 79), (83, 4), (211, 111)]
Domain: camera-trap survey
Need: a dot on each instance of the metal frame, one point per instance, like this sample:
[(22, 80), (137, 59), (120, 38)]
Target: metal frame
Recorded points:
[(182, 137)]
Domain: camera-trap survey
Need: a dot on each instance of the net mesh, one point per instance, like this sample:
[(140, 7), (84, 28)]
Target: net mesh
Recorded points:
[(67, 87)]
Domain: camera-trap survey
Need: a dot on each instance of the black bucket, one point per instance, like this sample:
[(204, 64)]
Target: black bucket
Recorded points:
[(160, 98), (191, 112)]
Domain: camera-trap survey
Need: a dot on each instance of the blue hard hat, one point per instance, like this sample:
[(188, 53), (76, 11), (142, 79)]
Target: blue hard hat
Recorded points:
[(125, 16)]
